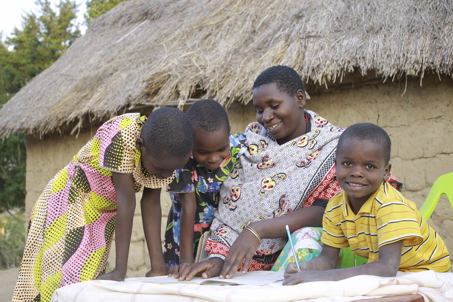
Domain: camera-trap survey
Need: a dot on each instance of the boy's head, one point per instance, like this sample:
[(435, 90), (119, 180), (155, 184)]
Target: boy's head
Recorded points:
[(211, 131), (362, 162), (165, 141), (279, 100)]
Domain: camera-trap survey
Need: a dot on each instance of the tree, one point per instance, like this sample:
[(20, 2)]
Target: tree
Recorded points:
[(43, 39), (95, 8), (12, 173)]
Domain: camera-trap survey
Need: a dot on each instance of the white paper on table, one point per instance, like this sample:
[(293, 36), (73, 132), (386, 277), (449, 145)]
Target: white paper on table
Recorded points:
[(249, 278)]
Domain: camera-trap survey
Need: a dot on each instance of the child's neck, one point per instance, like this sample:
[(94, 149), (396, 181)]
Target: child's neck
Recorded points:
[(355, 208)]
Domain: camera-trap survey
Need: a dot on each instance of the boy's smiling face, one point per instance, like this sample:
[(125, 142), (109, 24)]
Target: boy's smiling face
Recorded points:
[(360, 169)]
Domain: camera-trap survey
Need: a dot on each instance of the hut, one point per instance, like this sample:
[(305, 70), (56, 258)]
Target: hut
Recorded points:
[(386, 62)]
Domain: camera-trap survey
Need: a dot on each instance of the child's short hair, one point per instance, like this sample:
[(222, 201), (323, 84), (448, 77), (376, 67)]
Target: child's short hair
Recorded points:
[(368, 131), (208, 115), (286, 78), (167, 130)]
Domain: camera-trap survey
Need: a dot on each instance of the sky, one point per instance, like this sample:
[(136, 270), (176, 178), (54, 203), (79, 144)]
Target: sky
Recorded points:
[(11, 12)]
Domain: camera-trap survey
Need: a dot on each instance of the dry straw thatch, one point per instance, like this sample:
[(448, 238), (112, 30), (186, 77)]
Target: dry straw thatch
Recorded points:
[(162, 52)]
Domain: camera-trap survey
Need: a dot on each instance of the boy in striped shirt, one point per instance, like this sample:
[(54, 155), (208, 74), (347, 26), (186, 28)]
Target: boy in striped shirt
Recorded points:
[(371, 217)]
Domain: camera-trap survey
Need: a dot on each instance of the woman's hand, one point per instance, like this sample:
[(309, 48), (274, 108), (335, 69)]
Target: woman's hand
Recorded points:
[(114, 275), (242, 251), (207, 269)]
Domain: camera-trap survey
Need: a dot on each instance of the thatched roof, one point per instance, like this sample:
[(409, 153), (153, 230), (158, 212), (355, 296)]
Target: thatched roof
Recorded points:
[(161, 52)]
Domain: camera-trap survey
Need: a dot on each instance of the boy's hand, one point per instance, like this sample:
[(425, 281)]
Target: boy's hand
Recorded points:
[(173, 271), (208, 268), (114, 275), (291, 269), (305, 276)]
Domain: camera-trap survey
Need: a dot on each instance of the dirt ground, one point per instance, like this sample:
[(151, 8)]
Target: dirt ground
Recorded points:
[(8, 278)]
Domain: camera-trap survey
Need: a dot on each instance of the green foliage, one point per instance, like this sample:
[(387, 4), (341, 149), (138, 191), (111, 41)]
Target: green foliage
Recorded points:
[(95, 8), (12, 172), (4, 74), (41, 42), (43, 39), (12, 240)]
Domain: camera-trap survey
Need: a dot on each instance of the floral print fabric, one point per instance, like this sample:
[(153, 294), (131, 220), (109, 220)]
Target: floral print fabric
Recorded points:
[(194, 177), (271, 180)]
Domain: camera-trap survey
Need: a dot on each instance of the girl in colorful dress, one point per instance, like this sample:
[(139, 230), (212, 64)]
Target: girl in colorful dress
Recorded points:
[(73, 221), (195, 189)]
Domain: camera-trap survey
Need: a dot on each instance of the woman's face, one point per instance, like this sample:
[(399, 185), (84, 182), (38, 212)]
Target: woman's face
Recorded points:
[(279, 112)]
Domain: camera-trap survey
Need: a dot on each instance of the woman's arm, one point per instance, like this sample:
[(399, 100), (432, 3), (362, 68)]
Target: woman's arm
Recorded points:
[(124, 186), (151, 217), (302, 217), (386, 266), (245, 246)]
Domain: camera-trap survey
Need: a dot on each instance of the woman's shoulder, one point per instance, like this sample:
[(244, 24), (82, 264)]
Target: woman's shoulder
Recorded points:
[(254, 127), (256, 133)]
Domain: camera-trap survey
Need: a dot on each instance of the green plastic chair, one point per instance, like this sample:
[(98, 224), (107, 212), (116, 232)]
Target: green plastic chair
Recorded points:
[(442, 185), (349, 259)]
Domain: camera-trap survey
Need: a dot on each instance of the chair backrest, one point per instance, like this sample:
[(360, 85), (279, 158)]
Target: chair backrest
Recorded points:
[(442, 185)]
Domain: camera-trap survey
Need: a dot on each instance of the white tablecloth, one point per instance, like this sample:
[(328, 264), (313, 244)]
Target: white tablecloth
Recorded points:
[(259, 286)]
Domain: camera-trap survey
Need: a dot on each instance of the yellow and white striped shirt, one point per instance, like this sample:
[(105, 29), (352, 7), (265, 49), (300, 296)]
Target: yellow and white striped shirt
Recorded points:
[(386, 217)]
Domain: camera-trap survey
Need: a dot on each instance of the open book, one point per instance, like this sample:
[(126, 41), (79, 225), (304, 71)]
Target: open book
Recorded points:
[(249, 278)]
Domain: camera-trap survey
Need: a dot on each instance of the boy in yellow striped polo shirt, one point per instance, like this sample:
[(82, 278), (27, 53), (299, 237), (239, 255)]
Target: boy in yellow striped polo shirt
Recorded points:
[(371, 217)]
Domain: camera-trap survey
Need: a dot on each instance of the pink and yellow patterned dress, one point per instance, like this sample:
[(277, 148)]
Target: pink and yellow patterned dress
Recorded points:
[(73, 221)]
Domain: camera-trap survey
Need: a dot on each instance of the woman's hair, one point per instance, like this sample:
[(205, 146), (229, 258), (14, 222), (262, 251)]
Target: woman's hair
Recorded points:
[(286, 78), (167, 130), (208, 115), (368, 131)]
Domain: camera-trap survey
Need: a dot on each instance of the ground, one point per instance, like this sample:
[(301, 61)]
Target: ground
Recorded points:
[(8, 277)]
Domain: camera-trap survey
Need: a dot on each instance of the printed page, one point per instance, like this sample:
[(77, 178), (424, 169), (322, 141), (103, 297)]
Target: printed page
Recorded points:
[(250, 278)]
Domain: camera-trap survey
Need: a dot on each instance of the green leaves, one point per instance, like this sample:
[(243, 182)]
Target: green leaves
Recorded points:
[(12, 173), (43, 39), (95, 8)]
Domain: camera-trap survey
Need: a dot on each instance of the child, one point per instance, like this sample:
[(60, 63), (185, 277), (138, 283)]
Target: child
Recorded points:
[(74, 218), (371, 217), (195, 190)]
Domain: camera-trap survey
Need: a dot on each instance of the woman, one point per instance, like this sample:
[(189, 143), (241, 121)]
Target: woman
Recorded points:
[(286, 178)]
